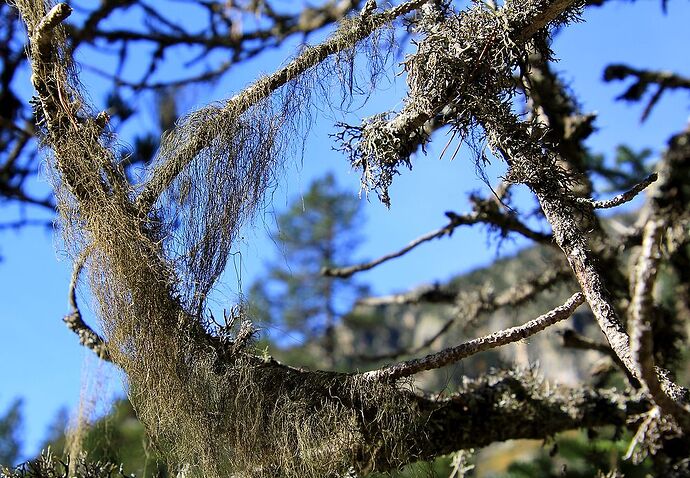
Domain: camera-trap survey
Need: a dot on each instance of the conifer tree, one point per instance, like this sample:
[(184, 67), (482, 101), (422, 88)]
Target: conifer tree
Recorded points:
[(10, 429), (153, 249), (320, 229)]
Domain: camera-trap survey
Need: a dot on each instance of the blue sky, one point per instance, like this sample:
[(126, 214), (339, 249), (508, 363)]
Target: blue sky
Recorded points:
[(42, 361)]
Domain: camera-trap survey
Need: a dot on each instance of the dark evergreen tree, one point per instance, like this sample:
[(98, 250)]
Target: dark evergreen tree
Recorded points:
[(320, 229), (10, 430)]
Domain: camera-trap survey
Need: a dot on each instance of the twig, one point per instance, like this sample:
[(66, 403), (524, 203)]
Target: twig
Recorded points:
[(455, 221), (641, 326), (623, 197), (467, 349), (573, 340), (512, 297), (485, 212), (20, 223), (436, 294), (87, 336), (664, 80)]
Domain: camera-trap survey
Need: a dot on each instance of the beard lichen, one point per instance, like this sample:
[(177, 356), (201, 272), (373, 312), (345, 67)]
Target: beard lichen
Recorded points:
[(462, 75), (212, 405)]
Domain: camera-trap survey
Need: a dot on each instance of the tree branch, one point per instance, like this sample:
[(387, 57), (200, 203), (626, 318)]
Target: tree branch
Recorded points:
[(474, 303), (508, 407), (360, 28), (664, 80), (238, 44), (87, 336), (454, 354), (43, 32), (474, 46), (622, 198), (641, 326), (573, 340), (485, 212)]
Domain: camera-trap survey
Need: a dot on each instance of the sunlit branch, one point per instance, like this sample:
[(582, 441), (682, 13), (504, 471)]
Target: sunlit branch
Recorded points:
[(468, 306), (467, 349), (361, 27), (74, 321), (641, 324), (622, 198)]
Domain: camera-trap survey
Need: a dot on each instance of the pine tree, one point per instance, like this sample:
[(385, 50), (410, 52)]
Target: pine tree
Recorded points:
[(319, 230), (10, 427)]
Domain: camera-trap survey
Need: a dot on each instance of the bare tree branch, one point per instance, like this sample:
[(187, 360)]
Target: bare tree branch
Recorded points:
[(643, 79), (573, 340), (454, 354), (474, 303), (485, 211), (641, 324), (223, 33), (622, 198), (436, 294), (513, 297), (74, 321)]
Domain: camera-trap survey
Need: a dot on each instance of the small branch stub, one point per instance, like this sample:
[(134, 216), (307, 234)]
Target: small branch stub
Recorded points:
[(43, 33), (623, 197)]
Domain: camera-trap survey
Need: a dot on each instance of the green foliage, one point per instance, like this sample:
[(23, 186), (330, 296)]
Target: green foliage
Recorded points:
[(577, 455), (10, 428), (118, 438)]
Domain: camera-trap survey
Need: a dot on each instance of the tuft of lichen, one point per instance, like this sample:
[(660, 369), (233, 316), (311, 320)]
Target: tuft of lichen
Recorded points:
[(153, 252), (462, 75)]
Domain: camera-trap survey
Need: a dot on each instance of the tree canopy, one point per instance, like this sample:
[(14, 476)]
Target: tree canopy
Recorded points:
[(152, 249)]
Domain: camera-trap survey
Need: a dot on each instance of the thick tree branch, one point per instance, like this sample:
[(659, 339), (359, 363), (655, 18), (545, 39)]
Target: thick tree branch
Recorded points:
[(642, 313), (454, 354), (509, 407), (42, 35)]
